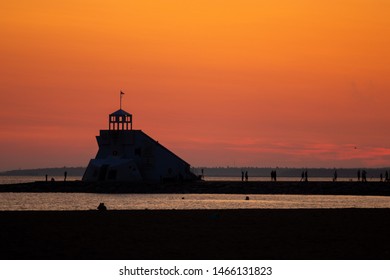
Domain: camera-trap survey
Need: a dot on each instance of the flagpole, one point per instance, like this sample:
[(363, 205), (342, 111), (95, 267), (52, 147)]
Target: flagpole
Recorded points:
[(120, 99)]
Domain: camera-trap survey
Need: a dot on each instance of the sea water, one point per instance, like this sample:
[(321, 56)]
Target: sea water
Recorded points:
[(89, 201)]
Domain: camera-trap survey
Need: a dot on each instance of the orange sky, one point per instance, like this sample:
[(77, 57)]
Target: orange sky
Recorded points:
[(246, 83)]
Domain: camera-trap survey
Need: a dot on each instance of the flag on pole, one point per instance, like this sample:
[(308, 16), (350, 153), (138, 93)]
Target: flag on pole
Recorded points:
[(122, 93)]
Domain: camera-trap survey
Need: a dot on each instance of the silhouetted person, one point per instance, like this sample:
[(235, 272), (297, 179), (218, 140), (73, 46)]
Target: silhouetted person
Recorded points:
[(358, 174), (381, 177), (246, 176), (102, 207), (242, 176), (335, 176), (46, 177), (364, 176), (272, 175), (275, 175), (306, 179), (202, 173), (65, 175), (386, 176), (302, 176)]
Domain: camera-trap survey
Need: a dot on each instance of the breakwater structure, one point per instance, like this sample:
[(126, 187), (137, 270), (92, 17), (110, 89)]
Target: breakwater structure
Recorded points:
[(211, 187)]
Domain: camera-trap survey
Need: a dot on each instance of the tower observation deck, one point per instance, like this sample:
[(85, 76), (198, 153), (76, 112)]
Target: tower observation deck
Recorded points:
[(120, 120)]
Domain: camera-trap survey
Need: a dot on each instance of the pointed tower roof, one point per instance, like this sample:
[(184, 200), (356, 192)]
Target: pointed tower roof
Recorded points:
[(120, 112)]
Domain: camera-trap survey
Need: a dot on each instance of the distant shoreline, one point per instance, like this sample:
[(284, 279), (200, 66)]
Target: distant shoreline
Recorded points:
[(41, 172)]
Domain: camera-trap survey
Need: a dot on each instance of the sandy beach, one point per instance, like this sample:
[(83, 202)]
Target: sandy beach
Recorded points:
[(196, 234)]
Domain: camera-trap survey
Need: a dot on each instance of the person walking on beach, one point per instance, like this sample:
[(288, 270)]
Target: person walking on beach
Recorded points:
[(246, 176), (242, 176), (364, 176), (65, 175), (335, 176), (46, 177), (275, 175), (306, 176), (381, 177), (358, 175), (386, 176), (302, 176)]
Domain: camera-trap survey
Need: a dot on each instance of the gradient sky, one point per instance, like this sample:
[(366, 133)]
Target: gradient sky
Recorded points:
[(221, 83)]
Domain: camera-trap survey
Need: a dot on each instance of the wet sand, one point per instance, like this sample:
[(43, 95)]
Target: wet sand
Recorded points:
[(196, 234)]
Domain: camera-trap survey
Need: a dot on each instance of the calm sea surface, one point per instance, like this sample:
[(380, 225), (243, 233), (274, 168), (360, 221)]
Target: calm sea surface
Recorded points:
[(88, 201)]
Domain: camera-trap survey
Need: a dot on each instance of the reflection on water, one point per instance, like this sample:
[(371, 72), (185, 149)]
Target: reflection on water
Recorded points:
[(84, 201), (87, 201)]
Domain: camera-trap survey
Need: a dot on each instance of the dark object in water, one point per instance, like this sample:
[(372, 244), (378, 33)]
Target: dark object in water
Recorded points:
[(102, 207), (247, 198)]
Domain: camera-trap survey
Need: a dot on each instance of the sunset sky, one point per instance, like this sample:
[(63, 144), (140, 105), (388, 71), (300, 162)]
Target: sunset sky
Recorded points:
[(221, 83)]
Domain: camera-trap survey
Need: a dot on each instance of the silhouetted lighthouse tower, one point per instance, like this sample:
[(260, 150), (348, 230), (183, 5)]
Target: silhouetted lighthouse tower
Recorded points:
[(131, 155), (120, 120)]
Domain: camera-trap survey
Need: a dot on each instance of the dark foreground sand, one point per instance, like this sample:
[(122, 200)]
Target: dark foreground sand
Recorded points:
[(197, 234)]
